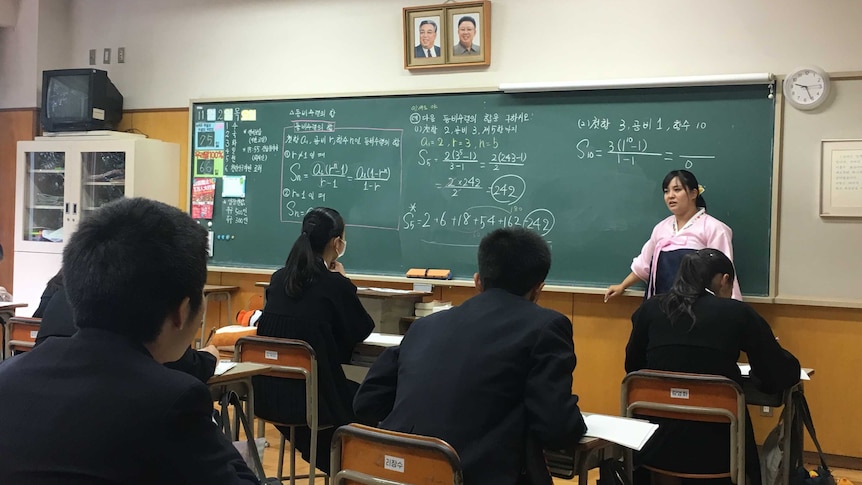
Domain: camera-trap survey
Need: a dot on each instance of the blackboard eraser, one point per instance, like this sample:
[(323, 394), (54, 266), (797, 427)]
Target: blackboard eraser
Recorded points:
[(437, 274)]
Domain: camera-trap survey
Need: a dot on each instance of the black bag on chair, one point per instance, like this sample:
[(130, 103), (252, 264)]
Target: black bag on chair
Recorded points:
[(798, 474)]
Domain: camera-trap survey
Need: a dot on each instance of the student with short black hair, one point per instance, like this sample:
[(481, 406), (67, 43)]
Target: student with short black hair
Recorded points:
[(492, 376), (697, 327), (311, 299), (99, 406)]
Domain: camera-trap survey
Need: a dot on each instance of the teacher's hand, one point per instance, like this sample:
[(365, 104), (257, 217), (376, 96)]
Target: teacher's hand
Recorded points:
[(337, 267), (613, 291)]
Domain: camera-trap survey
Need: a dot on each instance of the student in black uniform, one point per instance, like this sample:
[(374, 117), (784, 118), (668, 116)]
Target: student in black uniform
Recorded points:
[(311, 299), (697, 328)]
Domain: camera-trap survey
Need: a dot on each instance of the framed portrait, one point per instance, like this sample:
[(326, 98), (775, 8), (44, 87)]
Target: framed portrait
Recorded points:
[(470, 34), (424, 34), (446, 35)]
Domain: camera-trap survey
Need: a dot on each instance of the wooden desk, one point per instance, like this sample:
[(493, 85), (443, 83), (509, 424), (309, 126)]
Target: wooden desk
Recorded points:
[(588, 454), (238, 379), (7, 311), (385, 306), (758, 398), (217, 293)]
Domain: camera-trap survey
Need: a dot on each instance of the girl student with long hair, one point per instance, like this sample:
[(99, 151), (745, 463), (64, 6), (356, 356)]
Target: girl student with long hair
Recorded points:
[(687, 229), (311, 299), (697, 328)]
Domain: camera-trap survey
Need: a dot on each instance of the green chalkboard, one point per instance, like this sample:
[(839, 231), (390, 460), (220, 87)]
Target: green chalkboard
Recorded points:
[(420, 178)]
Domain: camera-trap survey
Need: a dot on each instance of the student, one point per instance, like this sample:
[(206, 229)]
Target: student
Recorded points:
[(54, 284), (57, 321), (99, 407), (696, 327), (311, 299), (687, 229), (492, 376)]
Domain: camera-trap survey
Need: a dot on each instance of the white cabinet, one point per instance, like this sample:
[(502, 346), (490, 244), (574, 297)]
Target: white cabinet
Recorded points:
[(61, 180)]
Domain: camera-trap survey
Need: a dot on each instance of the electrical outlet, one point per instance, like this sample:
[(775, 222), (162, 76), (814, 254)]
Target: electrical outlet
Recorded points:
[(92, 57), (106, 56), (121, 55), (765, 410)]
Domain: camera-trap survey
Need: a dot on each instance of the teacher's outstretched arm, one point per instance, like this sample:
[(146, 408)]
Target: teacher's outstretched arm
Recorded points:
[(615, 290)]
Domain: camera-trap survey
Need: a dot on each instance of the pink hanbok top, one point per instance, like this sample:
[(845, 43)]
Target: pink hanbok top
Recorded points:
[(702, 231)]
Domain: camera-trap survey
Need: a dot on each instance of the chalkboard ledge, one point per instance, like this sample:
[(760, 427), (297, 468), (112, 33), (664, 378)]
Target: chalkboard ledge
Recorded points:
[(817, 301), (237, 269)]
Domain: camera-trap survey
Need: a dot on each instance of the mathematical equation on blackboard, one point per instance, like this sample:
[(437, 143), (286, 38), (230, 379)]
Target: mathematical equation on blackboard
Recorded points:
[(481, 164)]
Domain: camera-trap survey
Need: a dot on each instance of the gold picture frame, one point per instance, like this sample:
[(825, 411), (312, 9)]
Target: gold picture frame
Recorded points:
[(463, 35)]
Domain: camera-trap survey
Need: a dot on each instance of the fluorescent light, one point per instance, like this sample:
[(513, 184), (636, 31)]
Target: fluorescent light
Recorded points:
[(648, 82)]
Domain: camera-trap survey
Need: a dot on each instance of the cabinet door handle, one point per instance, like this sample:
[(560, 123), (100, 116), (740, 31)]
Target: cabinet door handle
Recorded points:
[(67, 207), (74, 209)]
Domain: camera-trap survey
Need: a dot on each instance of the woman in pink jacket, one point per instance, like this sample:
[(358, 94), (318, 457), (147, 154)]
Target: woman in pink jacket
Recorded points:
[(688, 228)]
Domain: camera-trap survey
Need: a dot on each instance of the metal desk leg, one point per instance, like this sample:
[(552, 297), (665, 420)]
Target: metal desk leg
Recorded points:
[(215, 296)]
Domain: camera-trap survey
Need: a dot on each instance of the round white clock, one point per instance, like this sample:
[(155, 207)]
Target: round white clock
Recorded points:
[(807, 87)]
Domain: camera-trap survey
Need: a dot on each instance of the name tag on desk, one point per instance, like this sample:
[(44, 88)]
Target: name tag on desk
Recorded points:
[(270, 354), (677, 393)]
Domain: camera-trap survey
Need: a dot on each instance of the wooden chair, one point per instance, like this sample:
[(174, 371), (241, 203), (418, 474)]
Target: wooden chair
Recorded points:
[(689, 397), (290, 359), (371, 456), (21, 334)]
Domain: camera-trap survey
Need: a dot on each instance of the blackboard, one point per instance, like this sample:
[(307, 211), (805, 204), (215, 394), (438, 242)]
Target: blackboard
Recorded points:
[(420, 178)]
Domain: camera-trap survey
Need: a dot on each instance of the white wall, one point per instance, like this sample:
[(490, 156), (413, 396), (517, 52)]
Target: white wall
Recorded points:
[(182, 49), (18, 71), (8, 13), (53, 46)]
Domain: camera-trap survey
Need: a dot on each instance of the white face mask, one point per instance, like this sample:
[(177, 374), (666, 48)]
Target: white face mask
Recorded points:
[(343, 249)]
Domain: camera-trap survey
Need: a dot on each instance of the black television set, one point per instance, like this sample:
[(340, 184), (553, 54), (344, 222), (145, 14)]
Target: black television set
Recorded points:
[(79, 100)]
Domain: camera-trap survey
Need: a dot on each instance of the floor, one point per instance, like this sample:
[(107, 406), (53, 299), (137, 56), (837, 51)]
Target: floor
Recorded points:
[(270, 462)]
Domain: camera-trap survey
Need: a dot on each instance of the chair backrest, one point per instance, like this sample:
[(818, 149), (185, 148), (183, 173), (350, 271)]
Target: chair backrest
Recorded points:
[(21, 333), (371, 456), (690, 397), (290, 359)]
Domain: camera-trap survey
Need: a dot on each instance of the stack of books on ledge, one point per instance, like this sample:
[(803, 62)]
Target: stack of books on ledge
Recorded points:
[(423, 309)]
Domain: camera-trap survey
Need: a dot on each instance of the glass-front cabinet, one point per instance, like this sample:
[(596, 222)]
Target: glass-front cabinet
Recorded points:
[(62, 180), (44, 194)]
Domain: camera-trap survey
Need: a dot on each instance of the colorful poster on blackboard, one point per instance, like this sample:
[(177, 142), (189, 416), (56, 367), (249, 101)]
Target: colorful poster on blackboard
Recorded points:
[(209, 135), (203, 197), (209, 163)]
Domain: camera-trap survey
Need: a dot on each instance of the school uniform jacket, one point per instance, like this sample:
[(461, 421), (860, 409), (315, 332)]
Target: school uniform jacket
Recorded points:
[(723, 328), (329, 316), (96, 408), (487, 377)]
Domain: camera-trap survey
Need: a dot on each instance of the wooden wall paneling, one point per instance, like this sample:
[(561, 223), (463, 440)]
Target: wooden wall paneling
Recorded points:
[(15, 125), (170, 125)]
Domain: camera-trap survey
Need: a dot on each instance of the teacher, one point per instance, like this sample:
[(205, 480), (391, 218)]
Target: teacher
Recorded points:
[(688, 228)]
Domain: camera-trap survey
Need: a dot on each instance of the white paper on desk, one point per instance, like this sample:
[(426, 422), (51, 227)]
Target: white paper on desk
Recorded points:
[(386, 290), (631, 433), (223, 367), (745, 369), (383, 339)]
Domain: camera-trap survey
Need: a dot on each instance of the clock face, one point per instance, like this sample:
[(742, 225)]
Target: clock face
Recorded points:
[(806, 88)]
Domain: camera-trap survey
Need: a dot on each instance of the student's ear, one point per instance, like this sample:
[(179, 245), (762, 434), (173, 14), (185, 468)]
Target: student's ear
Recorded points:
[(478, 282), (183, 315), (535, 292)]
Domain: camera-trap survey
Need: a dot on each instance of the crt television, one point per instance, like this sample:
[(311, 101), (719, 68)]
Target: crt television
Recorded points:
[(79, 100)]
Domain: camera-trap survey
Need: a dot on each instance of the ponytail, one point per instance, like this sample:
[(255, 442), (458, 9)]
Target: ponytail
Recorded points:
[(695, 274), (319, 226), (300, 266)]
